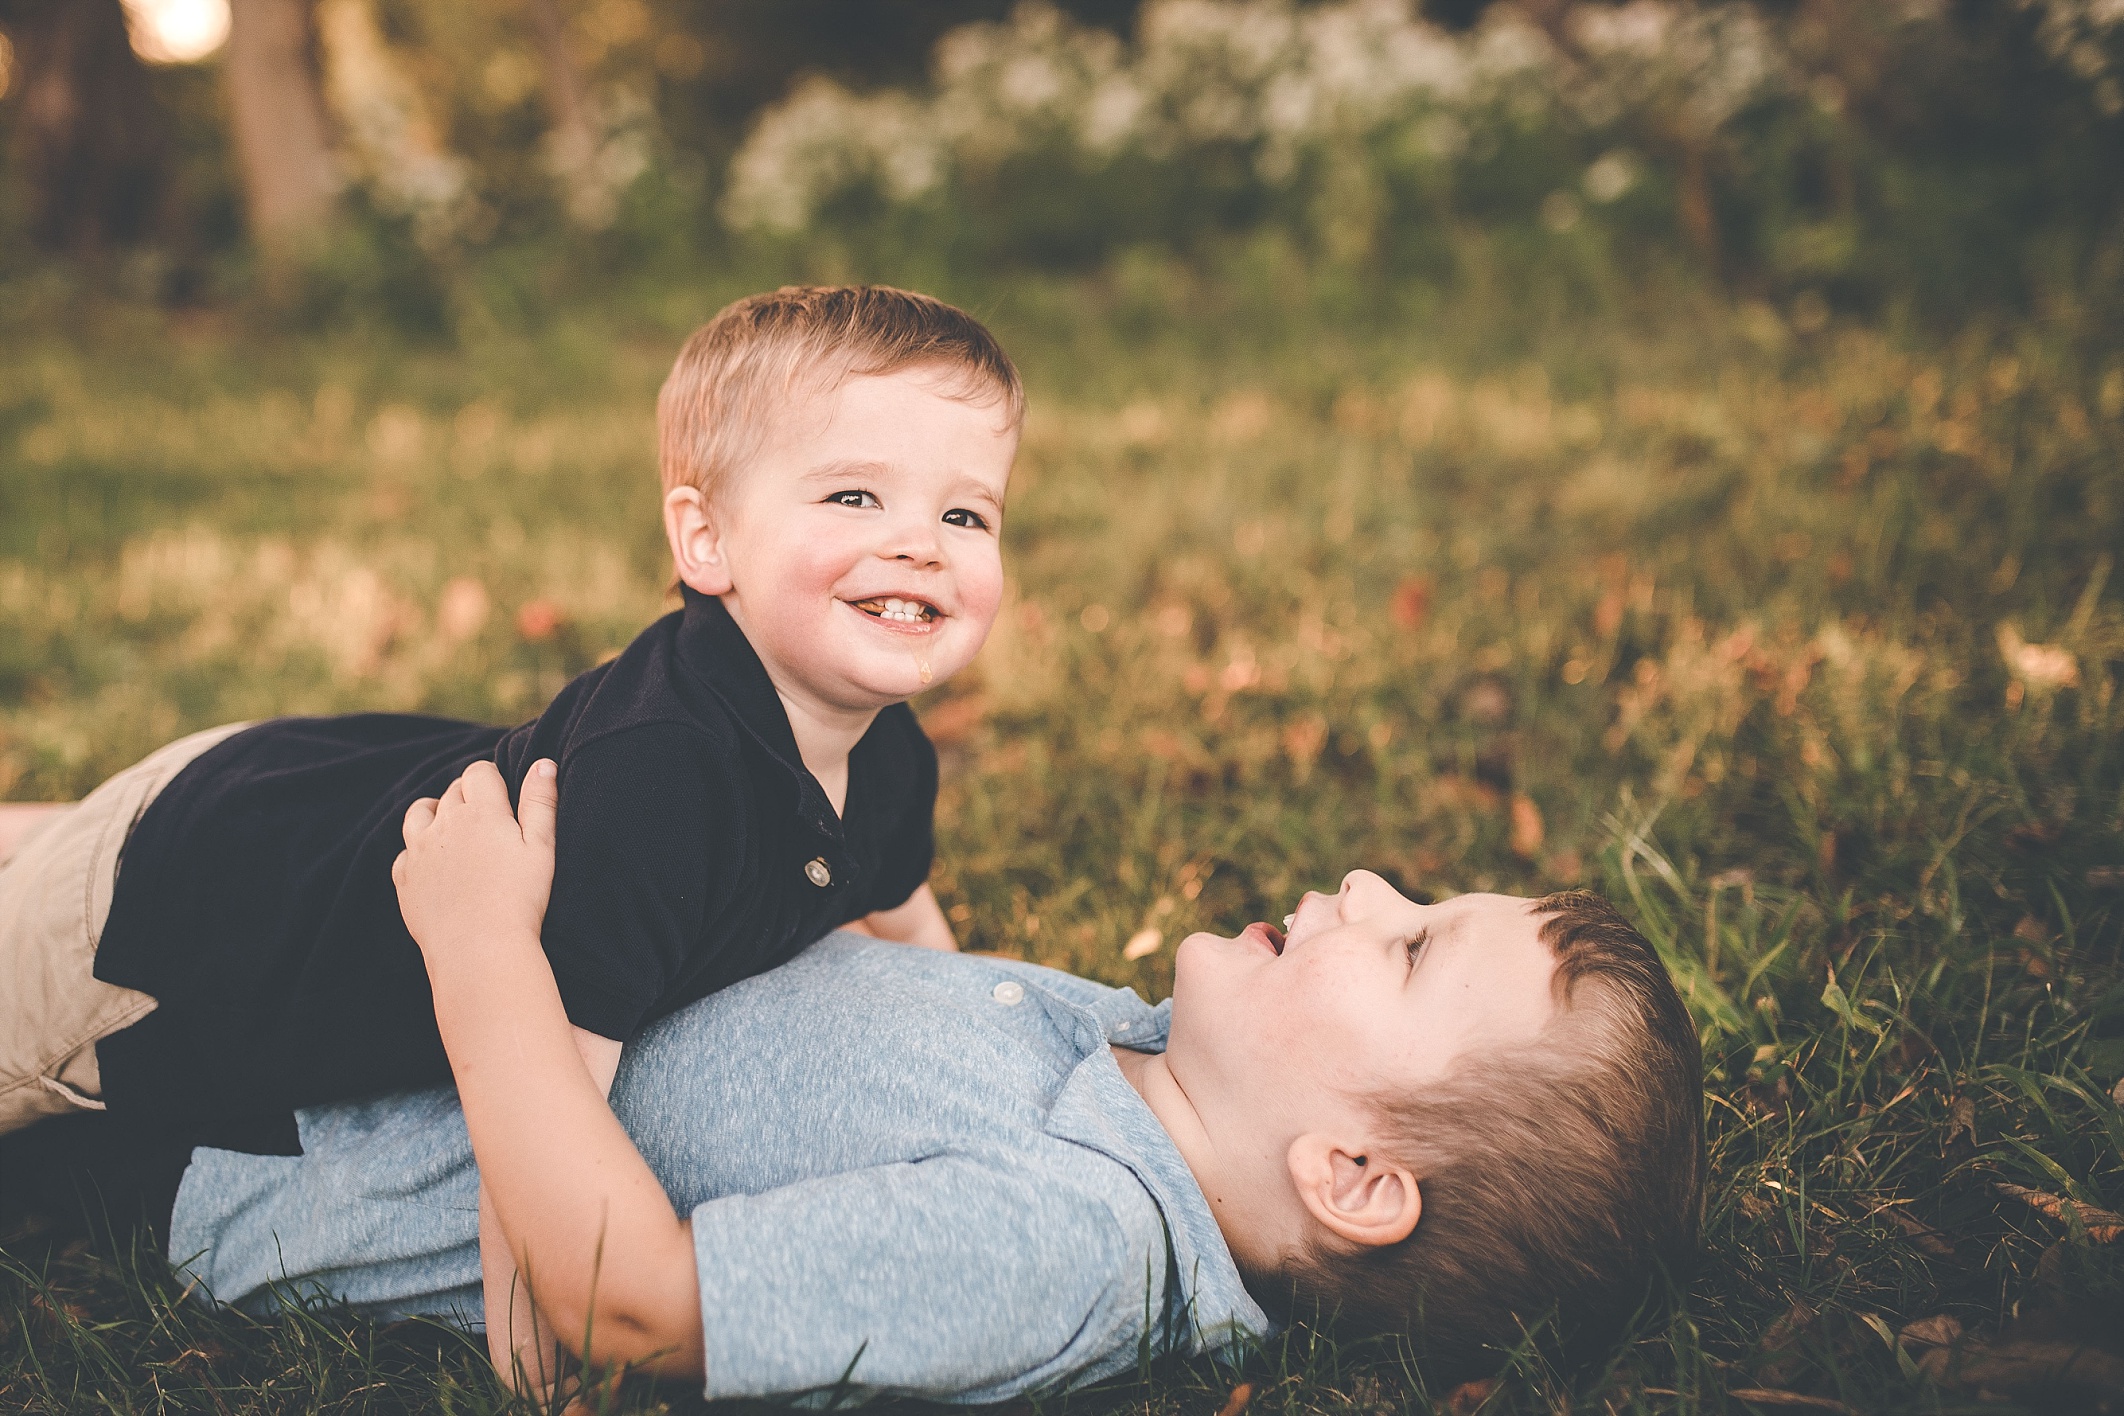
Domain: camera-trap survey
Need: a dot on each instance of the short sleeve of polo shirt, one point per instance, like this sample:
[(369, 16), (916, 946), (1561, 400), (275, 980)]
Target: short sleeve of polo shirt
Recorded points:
[(643, 851), (911, 849), (953, 1279)]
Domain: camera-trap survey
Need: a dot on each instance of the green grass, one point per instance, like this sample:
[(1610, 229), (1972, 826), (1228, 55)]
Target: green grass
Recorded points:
[(1730, 620)]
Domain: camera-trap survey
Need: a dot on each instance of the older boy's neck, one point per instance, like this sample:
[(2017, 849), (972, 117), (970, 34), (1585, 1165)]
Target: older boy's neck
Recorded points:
[(1249, 1232)]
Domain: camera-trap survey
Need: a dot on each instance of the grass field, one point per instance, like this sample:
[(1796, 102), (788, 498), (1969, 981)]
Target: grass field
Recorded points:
[(1797, 637)]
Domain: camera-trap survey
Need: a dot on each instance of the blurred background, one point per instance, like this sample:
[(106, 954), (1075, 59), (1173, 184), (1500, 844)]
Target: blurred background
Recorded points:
[(424, 166)]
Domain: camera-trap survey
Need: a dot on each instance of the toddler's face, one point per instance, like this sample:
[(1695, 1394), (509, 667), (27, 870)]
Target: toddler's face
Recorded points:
[(1366, 992), (862, 544)]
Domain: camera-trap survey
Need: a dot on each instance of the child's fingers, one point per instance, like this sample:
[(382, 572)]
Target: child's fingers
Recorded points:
[(481, 785), (538, 802), (419, 817)]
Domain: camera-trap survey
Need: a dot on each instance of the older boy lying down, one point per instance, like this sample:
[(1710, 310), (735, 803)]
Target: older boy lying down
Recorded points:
[(968, 1178)]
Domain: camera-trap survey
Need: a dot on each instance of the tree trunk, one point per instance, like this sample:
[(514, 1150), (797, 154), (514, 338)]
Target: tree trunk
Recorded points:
[(283, 142), (574, 139), (89, 139)]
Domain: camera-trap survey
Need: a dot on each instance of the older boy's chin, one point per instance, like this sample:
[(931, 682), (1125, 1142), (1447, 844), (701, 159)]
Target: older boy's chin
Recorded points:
[(1201, 957)]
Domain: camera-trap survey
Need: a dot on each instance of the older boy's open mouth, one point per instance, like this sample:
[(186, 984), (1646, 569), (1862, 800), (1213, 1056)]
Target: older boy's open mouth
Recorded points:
[(896, 610)]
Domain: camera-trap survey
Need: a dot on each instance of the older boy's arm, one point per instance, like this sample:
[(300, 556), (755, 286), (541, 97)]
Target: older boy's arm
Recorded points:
[(609, 1264), (517, 1340), (920, 921)]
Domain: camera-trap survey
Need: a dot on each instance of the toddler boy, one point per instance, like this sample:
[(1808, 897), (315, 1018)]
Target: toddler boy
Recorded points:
[(743, 778)]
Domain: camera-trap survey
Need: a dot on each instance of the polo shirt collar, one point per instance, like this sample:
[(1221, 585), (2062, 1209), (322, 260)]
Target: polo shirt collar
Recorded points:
[(717, 652), (1097, 1107)]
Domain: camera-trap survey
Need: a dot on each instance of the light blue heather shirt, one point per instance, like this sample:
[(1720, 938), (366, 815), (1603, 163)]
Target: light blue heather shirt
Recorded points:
[(923, 1171)]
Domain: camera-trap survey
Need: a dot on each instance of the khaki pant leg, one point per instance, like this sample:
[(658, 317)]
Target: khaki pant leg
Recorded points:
[(55, 894)]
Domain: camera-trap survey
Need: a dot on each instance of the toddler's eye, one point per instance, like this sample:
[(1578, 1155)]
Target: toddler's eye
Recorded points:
[(960, 516), (855, 499), (1416, 944)]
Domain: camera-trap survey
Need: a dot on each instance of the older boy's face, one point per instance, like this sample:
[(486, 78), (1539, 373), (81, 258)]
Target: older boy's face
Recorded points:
[(863, 541), (1366, 992)]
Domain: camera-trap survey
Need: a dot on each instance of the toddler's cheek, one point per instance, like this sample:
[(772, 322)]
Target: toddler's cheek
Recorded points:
[(980, 596)]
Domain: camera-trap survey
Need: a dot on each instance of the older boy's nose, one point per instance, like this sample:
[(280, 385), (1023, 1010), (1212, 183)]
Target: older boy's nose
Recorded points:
[(1366, 886)]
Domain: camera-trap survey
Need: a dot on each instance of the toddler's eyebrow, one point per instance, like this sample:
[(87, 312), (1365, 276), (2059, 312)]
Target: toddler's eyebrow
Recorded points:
[(870, 469), (845, 467)]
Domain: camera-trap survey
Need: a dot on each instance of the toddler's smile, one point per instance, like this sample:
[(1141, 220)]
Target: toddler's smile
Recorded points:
[(894, 609)]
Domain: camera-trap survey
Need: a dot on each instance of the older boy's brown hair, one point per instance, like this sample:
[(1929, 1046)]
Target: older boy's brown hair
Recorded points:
[(740, 370), (1561, 1179)]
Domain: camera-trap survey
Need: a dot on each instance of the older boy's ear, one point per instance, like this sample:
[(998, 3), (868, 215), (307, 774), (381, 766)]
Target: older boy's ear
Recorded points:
[(1360, 1197), (696, 537)]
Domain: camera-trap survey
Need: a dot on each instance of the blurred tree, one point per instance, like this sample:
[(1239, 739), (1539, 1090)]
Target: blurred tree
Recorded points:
[(283, 141), (574, 132), (89, 139)]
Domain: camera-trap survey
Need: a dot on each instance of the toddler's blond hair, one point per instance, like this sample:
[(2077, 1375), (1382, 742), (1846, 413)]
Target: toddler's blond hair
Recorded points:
[(743, 367)]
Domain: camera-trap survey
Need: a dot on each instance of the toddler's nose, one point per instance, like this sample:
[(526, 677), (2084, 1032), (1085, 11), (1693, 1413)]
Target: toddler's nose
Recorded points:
[(916, 543)]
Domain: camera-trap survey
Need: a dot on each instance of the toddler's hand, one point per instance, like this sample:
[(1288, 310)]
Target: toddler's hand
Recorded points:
[(472, 872)]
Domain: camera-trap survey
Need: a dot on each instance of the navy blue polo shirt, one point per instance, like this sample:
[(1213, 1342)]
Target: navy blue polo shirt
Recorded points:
[(693, 849)]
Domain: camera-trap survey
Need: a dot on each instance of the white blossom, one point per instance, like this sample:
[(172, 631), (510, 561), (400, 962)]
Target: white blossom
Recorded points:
[(1298, 89)]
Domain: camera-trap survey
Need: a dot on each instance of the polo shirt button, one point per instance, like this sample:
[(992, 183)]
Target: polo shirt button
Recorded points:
[(817, 873), (1010, 994)]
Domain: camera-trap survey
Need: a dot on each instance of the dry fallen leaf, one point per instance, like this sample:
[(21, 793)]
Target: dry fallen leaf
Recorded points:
[(1772, 1396), (1142, 944), (1961, 1118), (1469, 1397), (2103, 1226), (1527, 830), (539, 620), (1236, 1402), (1939, 1330), (1927, 1238), (2040, 666), (1412, 602), (462, 610), (2020, 1368)]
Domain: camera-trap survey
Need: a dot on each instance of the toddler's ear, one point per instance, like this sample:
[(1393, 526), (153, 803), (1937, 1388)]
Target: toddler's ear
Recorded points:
[(695, 534), (1359, 1196)]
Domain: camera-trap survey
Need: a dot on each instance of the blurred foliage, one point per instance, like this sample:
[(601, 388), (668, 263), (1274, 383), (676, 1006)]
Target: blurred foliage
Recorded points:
[(1931, 157)]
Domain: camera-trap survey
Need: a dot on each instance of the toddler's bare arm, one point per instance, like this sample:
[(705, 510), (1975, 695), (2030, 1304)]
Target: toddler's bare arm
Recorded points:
[(919, 921)]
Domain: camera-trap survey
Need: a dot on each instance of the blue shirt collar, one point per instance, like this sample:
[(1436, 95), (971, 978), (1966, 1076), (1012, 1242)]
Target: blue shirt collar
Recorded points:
[(1098, 1108)]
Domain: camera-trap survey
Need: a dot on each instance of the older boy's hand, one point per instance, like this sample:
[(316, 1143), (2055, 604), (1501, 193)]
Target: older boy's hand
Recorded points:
[(474, 875)]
